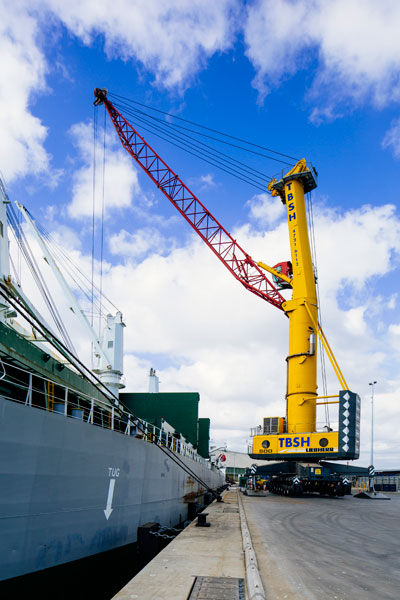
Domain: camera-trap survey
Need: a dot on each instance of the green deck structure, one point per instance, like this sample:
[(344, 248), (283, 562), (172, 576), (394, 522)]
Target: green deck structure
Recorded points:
[(204, 438), (179, 409)]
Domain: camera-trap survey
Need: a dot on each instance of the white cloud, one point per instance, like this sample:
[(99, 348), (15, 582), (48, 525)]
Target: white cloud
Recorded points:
[(137, 244), (392, 138), (120, 177), (183, 308), (273, 45), (204, 182), (349, 237), (188, 318), (355, 43), (394, 336), (391, 304), (265, 210), (172, 40), (202, 331), (207, 180), (354, 320), (23, 70)]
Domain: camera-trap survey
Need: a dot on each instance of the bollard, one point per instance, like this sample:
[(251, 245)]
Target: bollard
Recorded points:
[(147, 543), (202, 520)]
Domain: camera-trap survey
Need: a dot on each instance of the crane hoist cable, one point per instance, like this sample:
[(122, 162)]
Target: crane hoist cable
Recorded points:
[(102, 219), (220, 157), (314, 259), (93, 207), (179, 128), (176, 136), (221, 164), (117, 96)]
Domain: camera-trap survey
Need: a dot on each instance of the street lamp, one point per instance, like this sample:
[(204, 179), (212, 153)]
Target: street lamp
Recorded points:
[(371, 469)]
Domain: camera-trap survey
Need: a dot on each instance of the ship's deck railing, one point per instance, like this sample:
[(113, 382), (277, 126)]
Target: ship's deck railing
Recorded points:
[(68, 402)]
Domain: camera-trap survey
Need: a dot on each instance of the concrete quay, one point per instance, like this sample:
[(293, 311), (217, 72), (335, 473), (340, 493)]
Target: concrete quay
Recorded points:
[(215, 551), (309, 548)]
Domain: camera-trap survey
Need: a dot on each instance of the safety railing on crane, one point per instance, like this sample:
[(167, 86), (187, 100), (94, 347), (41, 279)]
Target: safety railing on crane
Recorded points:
[(321, 427)]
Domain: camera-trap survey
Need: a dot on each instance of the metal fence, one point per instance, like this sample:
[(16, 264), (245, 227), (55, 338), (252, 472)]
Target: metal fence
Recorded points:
[(382, 483), (321, 427)]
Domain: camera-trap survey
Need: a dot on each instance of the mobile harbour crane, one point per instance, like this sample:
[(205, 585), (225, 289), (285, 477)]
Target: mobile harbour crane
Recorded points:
[(293, 438)]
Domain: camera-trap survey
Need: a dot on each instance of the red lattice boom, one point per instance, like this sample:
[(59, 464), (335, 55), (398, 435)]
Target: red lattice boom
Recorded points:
[(240, 264)]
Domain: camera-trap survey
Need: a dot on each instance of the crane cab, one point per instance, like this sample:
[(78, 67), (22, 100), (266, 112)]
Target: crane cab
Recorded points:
[(286, 269)]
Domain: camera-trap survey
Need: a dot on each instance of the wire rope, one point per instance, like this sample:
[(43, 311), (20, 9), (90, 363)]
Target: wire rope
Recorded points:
[(204, 127), (93, 199), (165, 128), (207, 161), (37, 276), (64, 258), (314, 260), (177, 137), (69, 266), (102, 218), (176, 128)]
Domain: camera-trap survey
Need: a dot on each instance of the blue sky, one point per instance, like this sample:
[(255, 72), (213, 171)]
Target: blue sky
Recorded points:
[(302, 77)]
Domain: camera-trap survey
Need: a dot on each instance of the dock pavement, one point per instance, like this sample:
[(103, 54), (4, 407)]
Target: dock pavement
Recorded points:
[(198, 552), (281, 548)]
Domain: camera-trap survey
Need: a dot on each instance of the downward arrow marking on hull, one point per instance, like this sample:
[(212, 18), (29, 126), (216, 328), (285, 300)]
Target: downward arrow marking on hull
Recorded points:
[(108, 509)]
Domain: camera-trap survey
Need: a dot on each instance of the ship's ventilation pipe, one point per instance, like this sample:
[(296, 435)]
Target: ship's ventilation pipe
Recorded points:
[(110, 362), (153, 382)]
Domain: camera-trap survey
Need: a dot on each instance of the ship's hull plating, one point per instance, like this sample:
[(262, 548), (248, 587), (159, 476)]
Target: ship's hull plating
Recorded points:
[(71, 489)]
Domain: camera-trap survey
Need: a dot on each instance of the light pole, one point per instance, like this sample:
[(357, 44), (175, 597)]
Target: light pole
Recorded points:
[(371, 469)]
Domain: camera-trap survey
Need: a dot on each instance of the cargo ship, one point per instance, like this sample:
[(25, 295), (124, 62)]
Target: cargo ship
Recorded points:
[(83, 464)]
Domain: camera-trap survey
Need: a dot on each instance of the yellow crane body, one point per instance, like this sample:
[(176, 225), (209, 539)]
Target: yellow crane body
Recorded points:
[(302, 357), (300, 439), (303, 445)]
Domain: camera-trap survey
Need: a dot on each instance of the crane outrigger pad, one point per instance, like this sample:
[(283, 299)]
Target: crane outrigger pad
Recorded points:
[(371, 496), (255, 493)]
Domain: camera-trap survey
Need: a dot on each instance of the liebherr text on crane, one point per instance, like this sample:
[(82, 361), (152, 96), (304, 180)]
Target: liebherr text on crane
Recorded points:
[(294, 437)]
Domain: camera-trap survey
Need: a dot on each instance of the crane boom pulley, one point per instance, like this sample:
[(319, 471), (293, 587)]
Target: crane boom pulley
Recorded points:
[(237, 261)]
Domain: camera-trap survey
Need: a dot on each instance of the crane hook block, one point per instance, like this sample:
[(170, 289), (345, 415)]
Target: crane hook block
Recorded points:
[(101, 95)]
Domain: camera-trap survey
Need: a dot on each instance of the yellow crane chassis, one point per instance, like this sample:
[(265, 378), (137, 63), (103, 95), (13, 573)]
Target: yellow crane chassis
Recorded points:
[(301, 447)]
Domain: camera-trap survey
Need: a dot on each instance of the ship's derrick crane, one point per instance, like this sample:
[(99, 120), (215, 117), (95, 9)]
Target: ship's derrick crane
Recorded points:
[(294, 437)]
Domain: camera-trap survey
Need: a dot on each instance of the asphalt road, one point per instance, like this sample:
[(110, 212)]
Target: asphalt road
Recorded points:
[(315, 548)]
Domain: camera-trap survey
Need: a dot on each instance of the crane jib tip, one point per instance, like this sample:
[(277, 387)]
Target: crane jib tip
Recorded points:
[(100, 95)]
